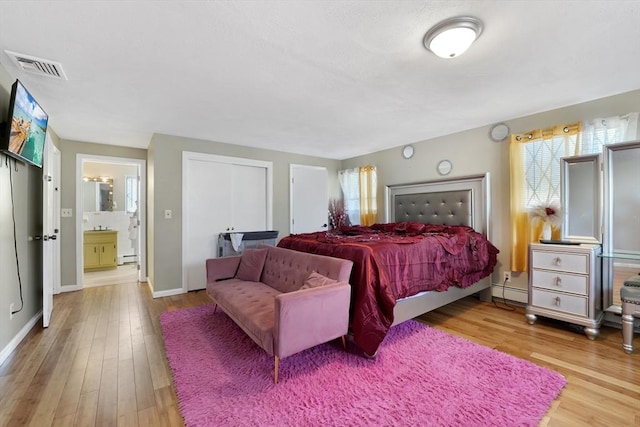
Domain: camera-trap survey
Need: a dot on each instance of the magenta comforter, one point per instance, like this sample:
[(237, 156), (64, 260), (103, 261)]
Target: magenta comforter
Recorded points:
[(397, 260)]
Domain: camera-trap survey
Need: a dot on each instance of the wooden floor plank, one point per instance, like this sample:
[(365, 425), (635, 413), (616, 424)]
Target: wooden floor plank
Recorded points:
[(102, 361)]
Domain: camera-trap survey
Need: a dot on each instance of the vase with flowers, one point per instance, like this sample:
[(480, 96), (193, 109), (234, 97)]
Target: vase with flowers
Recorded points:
[(337, 213), (549, 214)]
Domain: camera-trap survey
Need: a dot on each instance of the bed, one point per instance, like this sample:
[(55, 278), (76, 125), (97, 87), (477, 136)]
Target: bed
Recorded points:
[(431, 250)]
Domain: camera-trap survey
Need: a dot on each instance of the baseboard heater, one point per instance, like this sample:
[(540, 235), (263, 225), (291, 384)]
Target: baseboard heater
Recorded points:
[(125, 259)]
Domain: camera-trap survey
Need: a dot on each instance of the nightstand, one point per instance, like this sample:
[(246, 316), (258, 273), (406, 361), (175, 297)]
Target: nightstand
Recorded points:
[(565, 284)]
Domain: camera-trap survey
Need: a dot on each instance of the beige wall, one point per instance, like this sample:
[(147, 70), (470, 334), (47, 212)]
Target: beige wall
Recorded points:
[(472, 152), (25, 207), (165, 176), (69, 151)]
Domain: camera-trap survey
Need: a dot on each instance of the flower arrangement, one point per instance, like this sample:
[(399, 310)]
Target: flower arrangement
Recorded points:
[(337, 213), (547, 213)]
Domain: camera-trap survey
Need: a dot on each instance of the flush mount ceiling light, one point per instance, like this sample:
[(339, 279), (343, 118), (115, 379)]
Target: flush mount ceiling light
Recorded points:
[(452, 37)]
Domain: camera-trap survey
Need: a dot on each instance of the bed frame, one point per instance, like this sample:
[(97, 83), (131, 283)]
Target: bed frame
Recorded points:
[(461, 201)]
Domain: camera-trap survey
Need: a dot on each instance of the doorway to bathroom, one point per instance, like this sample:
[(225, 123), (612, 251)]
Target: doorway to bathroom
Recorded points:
[(110, 221)]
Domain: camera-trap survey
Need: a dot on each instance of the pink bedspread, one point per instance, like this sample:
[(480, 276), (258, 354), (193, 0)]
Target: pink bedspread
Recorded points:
[(397, 260)]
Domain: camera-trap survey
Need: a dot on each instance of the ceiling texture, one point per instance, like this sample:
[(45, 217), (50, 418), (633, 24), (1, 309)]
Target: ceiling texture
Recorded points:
[(334, 79)]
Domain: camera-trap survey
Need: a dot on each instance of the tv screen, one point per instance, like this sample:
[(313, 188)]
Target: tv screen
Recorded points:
[(24, 133)]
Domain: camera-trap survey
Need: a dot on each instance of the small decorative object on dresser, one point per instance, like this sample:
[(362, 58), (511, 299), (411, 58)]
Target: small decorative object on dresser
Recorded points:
[(548, 214), (565, 284)]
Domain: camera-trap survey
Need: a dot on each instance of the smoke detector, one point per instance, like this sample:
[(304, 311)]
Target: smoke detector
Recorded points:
[(39, 66)]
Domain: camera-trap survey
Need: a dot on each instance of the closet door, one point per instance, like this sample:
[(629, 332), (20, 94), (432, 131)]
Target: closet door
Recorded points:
[(220, 194), (249, 198)]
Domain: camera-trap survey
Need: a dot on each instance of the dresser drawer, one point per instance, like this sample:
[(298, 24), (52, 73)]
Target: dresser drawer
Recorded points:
[(558, 281), (572, 304), (574, 263)]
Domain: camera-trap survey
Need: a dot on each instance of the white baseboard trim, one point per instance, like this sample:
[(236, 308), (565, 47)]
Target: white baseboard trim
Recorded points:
[(19, 337), (168, 293), (161, 294), (69, 288), (511, 294)]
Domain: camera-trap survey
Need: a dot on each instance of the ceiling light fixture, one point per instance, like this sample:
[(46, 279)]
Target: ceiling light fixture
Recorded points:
[(452, 37)]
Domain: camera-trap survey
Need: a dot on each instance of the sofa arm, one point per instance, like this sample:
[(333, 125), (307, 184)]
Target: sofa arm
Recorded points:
[(222, 268), (309, 317)]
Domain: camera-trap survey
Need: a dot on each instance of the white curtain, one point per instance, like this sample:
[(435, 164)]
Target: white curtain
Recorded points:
[(350, 184), (609, 130)]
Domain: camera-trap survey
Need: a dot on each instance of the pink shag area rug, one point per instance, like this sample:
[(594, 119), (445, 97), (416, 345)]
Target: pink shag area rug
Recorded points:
[(421, 376)]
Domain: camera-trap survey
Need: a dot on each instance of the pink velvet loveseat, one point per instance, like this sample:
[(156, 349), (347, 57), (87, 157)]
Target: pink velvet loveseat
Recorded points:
[(261, 292)]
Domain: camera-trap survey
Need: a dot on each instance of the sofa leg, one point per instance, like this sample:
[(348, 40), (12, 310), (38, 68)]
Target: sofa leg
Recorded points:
[(276, 366), (344, 343), (215, 307)]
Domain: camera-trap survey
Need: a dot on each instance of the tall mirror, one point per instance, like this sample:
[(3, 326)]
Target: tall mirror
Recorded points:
[(581, 197), (621, 243)]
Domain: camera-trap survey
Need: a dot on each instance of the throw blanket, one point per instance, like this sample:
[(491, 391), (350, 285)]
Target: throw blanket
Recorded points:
[(397, 260)]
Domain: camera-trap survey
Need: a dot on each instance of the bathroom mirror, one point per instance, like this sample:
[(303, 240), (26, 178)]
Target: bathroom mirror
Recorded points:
[(621, 241), (98, 194), (581, 198)]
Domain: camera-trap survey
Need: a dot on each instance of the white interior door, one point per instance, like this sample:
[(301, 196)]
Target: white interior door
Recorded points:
[(309, 199), (207, 209), (50, 230), (220, 194), (249, 198)]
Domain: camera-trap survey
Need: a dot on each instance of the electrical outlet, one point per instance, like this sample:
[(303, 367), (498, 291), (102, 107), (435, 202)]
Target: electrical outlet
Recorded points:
[(11, 311), (168, 214), (506, 276)]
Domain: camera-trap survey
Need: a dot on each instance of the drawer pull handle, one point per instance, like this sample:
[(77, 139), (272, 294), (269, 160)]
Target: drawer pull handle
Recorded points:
[(558, 281), (557, 301), (558, 261)]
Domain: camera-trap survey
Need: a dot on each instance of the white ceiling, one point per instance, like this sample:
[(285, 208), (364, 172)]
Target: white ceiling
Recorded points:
[(326, 78)]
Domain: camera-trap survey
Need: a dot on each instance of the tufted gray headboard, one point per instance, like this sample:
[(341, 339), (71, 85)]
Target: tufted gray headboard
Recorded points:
[(461, 201), (441, 207)]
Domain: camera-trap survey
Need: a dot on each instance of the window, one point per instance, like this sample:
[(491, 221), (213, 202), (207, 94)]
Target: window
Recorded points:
[(131, 194), (542, 168), (350, 184), (535, 171), (359, 189)]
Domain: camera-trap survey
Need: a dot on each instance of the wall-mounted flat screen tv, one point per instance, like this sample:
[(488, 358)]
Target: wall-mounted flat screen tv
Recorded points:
[(24, 132)]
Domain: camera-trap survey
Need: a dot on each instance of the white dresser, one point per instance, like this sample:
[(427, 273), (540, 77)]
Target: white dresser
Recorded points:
[(565, 283)]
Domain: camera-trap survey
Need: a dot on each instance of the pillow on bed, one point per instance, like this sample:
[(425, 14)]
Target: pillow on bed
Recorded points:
[(251, 264), (316, 280)]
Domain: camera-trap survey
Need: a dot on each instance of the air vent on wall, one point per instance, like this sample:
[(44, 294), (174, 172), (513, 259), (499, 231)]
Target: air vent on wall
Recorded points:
[(42, 67)]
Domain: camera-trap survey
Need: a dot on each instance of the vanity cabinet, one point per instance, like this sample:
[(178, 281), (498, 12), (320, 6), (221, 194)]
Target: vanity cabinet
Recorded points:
[(565, 284), (100, 250)]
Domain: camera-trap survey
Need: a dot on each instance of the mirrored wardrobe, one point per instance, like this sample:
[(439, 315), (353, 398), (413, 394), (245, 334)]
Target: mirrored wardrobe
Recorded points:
[(601, 205), (621, 225)]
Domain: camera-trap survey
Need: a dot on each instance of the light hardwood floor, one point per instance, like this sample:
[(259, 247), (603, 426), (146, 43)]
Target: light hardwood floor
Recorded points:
[(101, 362)]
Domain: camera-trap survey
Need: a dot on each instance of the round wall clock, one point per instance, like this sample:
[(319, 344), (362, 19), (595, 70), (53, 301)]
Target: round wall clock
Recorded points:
[(407, 151), (499, 132), (444, 167)]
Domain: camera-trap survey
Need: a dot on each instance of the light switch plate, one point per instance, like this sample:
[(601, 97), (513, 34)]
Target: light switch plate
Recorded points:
[(66, 212)]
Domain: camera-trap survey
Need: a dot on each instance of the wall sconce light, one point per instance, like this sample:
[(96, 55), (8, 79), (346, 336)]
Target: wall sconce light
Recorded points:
[(452, 37)]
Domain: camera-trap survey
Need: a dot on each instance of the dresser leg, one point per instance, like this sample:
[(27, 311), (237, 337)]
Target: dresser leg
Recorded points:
[(591, 333), (531, 318)]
